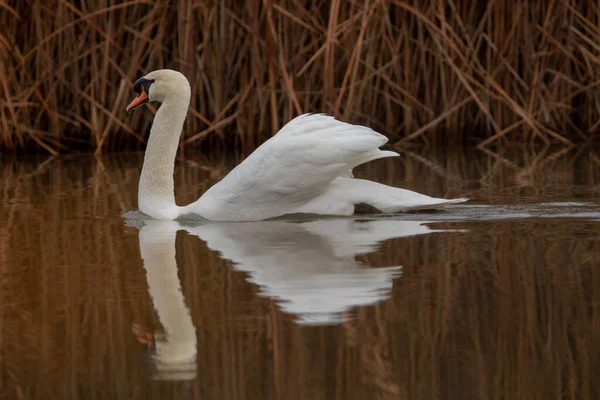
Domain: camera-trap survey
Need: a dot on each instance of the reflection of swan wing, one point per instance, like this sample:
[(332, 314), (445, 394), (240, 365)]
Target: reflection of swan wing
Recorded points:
[(242, 242), (176, 352), (350, 237), (310, 266)]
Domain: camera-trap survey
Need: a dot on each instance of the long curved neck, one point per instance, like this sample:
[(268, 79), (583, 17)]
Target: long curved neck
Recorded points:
[(156, 195)]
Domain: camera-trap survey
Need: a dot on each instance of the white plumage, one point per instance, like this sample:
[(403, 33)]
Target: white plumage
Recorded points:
[(305, 168)]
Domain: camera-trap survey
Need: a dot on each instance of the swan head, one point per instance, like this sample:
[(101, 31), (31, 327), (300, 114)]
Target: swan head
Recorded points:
[(161, 85)]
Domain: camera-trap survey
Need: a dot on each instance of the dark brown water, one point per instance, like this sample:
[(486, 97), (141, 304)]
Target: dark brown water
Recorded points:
[(495, 299)]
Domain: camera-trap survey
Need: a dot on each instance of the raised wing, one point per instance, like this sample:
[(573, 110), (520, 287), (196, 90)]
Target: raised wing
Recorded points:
[(299, 162)]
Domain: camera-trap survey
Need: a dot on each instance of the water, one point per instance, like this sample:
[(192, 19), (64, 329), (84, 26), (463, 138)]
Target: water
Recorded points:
[(493, 299)]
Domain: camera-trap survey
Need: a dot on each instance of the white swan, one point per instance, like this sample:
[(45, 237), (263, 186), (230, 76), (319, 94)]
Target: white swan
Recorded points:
[(305, 168)]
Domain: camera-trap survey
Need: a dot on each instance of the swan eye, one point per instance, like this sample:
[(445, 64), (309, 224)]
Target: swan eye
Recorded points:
[(142, 83)]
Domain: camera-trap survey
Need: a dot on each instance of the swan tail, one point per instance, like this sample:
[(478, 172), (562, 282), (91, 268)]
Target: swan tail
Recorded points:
[(390, 199), (344, 193)]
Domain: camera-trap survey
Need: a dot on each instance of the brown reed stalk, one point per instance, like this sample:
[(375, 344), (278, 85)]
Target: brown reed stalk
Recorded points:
[(436, 72)]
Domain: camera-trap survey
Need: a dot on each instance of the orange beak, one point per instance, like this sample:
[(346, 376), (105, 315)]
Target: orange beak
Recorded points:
[(140, 99)]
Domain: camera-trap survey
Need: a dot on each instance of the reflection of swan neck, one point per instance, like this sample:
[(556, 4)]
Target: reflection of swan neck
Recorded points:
[(157, 247), (174, 316)]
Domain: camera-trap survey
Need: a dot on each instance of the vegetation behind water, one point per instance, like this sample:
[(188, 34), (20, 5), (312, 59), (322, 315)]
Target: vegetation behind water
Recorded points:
[(436, 71)]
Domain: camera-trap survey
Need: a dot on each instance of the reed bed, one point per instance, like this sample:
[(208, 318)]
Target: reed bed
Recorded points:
[(440, 72), (509, 310)]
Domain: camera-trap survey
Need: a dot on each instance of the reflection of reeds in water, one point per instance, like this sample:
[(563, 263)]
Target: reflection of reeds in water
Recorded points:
[(509, 310), (498, 70), (510, 313)]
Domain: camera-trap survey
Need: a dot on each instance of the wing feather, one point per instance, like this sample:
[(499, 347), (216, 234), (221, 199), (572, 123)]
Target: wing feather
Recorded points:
[(299, 162)]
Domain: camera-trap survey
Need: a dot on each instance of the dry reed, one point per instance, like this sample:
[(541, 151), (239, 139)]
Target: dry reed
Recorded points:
[(435, 71)]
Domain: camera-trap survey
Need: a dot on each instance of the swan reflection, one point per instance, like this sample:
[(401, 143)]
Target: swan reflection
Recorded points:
[(308, 268), (174, 352)]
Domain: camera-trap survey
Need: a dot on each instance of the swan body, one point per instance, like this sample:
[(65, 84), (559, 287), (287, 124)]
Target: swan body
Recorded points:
[(305, 168)]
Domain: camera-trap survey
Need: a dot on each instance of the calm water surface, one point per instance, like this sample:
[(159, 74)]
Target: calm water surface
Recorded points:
[(497, 298)]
